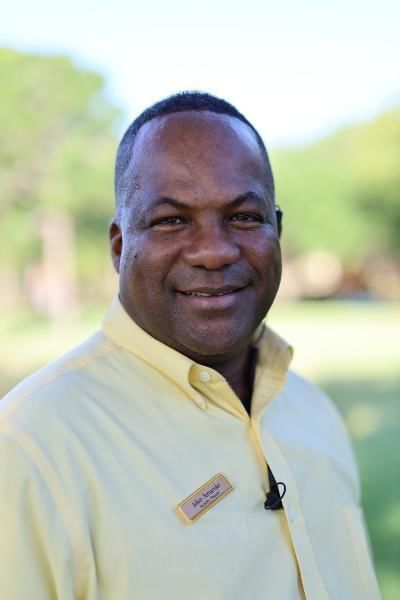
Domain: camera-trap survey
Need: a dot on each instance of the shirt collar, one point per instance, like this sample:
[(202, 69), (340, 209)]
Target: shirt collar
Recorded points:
[(273, 358), (275, 354), (119, 326)]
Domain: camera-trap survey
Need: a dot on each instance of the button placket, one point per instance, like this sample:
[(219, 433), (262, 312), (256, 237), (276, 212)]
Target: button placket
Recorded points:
[(199, 400), (291, 514)]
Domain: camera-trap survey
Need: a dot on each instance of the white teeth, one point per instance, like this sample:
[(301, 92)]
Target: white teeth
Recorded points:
[(198, 294), (204, 294)]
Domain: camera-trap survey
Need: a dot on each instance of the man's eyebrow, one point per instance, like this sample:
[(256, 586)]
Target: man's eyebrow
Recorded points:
[(170, 202), (236, 202), (239, 200)]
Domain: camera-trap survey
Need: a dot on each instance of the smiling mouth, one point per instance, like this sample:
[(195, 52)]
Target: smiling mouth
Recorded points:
[(210, 293)]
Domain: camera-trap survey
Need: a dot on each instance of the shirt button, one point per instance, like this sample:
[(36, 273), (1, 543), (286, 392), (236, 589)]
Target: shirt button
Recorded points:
[(201, 403), (291, 514), (204, 376)]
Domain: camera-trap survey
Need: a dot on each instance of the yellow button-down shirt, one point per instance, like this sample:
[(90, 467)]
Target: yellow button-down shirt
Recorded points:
[(98, 449)]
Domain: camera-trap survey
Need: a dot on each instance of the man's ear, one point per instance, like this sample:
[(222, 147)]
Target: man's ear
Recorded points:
[(115, 236), (279, 215)]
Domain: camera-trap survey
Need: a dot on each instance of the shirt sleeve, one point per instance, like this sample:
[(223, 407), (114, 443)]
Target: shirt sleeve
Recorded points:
[(36, 555)]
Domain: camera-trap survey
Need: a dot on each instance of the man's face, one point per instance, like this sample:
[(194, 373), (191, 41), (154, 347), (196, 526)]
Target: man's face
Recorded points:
[(197, 248)]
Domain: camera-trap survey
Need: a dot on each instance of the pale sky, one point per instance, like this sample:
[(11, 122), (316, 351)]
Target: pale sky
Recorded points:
[(296, 69)]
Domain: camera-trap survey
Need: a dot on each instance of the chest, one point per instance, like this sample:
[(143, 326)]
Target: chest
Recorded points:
[(134, 481)]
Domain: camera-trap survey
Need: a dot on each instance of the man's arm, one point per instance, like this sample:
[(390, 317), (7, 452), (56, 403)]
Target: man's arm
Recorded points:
[(36, 551)]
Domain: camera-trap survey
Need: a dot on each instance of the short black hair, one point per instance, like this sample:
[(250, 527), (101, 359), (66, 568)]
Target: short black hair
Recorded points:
[(180, 102)]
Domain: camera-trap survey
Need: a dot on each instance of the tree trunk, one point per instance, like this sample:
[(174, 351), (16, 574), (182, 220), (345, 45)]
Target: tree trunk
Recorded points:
[(56, 289)]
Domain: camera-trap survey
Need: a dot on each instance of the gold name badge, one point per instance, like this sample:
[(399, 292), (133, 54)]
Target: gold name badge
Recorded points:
[(195, 505)]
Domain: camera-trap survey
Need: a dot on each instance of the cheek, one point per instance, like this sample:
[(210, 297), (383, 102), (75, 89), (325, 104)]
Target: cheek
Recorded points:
[(267, 258), (276, 261), (129, 260), (131, 263), (145, 265)]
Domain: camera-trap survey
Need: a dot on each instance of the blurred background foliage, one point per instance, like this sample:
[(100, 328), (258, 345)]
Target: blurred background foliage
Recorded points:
[(57, 145), (341, 240), (344, 191), (341, 196)]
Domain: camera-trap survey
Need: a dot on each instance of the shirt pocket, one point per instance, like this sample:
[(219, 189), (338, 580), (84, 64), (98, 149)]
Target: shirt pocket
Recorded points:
[(354, 519)]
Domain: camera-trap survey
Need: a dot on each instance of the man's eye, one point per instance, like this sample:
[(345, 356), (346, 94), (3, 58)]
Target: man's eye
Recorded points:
[(172, 220), (247, 218)]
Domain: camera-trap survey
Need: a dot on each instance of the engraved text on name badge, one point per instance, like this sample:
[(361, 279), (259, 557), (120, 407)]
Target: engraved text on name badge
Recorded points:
[(204, 498)]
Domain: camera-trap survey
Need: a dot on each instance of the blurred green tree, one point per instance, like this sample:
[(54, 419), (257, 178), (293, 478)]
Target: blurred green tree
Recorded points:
[(57, 145), (342, 193), (376, 171)]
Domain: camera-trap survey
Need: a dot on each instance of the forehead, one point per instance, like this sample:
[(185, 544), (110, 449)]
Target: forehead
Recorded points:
[(193, 148)]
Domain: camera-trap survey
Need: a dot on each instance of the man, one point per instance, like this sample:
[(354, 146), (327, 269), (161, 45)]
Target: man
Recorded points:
[(173, 455)]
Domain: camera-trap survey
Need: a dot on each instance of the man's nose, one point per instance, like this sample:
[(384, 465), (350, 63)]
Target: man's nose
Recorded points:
[(212, 248)]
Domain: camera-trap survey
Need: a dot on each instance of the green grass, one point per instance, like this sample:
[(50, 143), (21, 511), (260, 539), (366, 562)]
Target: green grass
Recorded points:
[(351, 349)]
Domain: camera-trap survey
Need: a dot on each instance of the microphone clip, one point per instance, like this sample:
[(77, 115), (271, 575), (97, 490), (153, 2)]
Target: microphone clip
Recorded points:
[(274, 497)]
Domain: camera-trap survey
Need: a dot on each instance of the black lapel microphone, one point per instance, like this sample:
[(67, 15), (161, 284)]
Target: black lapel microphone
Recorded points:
[(273, 500)]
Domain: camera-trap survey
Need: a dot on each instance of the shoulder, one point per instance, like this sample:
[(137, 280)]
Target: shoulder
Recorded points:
[(304, 397), (52, 387), (314, 411)]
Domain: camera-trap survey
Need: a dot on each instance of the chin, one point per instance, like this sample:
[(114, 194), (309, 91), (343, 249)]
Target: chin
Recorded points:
[(216, 345)]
